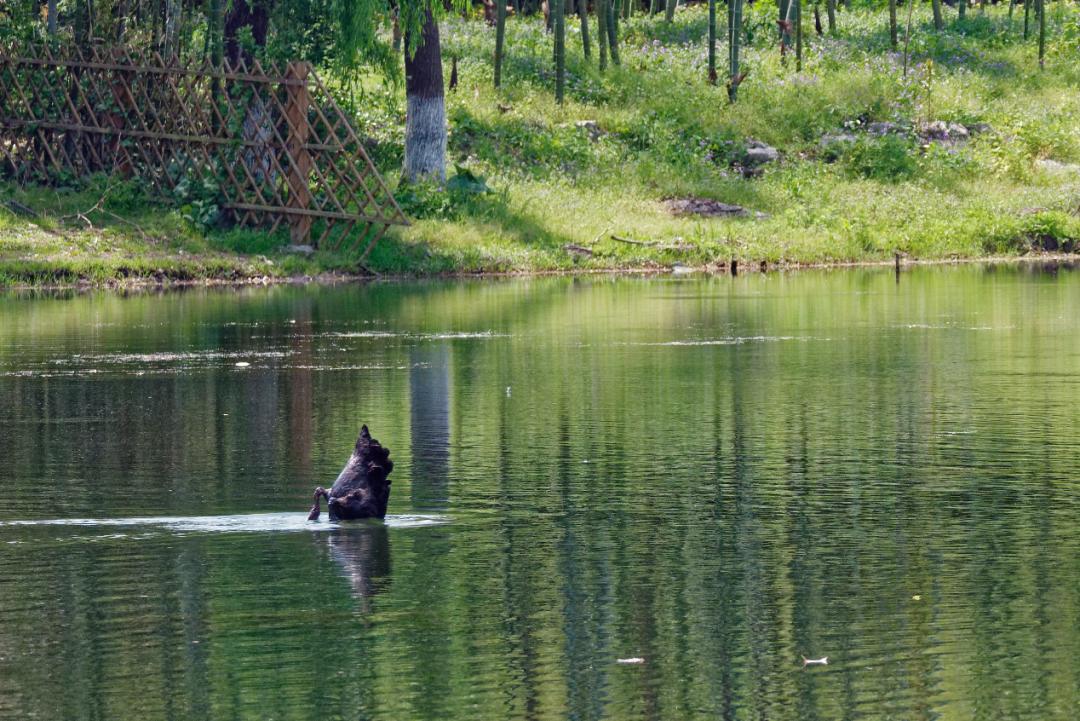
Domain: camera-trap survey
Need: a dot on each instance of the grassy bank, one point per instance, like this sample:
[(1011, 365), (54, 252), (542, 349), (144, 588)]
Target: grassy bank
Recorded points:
[(586, 184)]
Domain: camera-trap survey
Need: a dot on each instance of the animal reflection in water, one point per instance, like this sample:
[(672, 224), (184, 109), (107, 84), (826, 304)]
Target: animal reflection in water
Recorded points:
[(362, 554), (362, 489)]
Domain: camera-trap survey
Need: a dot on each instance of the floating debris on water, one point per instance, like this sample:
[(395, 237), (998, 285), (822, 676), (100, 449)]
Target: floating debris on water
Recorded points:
[(823, 661), (242, 364), (630, 661)]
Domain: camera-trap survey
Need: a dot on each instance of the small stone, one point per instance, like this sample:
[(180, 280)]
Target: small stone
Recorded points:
[(704, 207), (883, 128), (836, 139), (591, 127), (980, 128), (957, 132), (758, 153), (934, 130), (577, 250), (1056, 167)]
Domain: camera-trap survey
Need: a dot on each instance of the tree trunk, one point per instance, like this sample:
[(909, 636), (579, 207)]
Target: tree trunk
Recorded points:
[(602, 33), (173, 8), (962, 8), (613, 31), (712, 41), (907, 36), (583, 14), (425, 107), (558, 25), (734, 40), (784, 18), (500, 39), (253, 14), (1041, 8), (216, 30), (122, 12), (798, 35), (893, 37), (52, 18), (1027, 15), (669, 13), (936, 6), (830, 12)]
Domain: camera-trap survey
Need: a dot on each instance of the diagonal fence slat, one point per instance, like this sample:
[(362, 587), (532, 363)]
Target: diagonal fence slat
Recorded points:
[(271, 142)]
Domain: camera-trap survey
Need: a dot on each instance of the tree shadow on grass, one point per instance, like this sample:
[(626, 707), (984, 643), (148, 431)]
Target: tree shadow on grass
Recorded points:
[(515, 230)]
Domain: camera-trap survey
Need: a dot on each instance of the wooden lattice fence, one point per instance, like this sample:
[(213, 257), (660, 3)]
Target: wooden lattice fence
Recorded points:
[(267, 144)]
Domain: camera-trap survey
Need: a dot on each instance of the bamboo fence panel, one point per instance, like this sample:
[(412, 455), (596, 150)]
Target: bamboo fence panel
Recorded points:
[(268, 142)]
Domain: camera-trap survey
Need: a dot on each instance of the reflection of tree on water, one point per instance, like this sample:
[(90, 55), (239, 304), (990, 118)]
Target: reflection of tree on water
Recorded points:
[(429, 422), (362, 554)]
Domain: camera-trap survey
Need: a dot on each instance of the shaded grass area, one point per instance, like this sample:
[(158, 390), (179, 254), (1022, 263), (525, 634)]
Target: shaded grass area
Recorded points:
[(539, 186)]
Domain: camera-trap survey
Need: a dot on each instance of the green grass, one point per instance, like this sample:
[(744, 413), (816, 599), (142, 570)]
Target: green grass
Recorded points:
[(533, 182)]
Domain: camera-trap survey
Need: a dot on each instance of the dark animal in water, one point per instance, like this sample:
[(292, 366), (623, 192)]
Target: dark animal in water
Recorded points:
[(362, 490)]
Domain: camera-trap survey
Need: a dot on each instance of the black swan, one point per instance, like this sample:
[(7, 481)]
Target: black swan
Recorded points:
[(362, 489)]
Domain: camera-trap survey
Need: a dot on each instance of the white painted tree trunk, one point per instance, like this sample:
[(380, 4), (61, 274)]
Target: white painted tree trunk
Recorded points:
[(425, 108), (425, 138)]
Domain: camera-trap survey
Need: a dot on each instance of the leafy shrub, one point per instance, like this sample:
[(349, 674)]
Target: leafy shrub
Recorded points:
[(200, 201), (1051, 231), (461, 194), (887, 158)]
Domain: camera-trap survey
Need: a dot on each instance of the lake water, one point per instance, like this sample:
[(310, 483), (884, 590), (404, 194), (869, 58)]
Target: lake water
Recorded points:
[(717, 476)]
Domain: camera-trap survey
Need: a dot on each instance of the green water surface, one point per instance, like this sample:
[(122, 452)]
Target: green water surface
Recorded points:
[(718, 476)]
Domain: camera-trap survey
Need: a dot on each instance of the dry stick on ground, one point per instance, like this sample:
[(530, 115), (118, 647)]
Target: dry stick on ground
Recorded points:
[(656, 245), (599, 235), (99, 206)]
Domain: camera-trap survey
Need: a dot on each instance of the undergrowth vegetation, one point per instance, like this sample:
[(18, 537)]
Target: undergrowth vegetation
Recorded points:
[(540, 185)]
